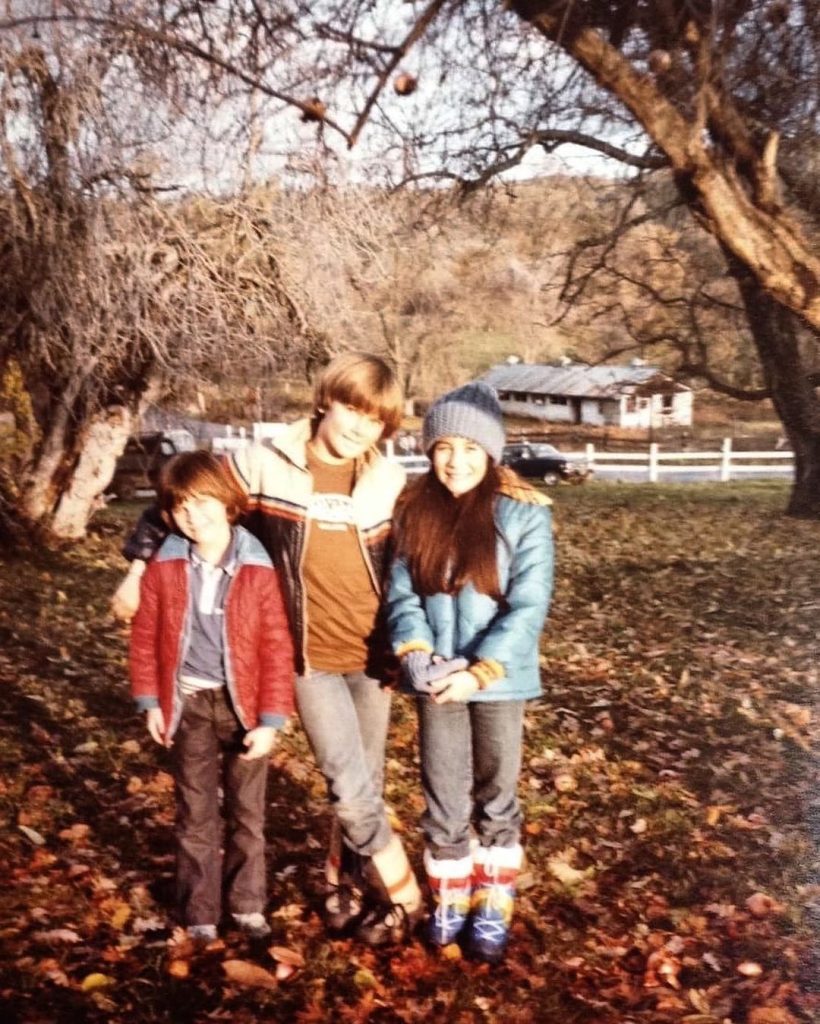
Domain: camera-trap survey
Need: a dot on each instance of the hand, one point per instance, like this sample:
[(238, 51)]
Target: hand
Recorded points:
[(460, 686), (155, 720), (427, 673), (259, 741), (126, 597)]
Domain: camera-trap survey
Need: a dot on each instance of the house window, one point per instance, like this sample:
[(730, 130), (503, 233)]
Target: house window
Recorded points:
[(503, 396), (558, 400), (668, 403)]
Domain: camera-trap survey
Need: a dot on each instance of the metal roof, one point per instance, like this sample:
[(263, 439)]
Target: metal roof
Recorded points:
[(575, 379)]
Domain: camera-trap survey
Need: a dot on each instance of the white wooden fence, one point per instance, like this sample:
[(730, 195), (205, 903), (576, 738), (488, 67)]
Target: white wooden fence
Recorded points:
[(722, 465)]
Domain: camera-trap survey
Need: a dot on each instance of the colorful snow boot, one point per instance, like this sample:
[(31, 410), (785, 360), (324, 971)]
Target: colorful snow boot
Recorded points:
[(451, 884), (494, 874)]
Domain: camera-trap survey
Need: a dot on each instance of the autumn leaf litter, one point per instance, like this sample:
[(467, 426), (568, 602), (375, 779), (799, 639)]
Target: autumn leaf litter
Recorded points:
[(669, 789)]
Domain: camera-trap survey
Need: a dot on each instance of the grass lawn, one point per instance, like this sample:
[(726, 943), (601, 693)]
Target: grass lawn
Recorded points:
[(669, 789)]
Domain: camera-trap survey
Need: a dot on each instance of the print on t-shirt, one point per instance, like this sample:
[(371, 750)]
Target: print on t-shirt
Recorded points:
[(330, 511)]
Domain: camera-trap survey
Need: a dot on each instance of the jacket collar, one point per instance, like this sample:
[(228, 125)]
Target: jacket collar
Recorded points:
[(516, 487), (293, 440), (245, 549)]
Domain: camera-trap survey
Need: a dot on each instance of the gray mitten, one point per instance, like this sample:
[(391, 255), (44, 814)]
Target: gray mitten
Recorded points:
[(423, 673)]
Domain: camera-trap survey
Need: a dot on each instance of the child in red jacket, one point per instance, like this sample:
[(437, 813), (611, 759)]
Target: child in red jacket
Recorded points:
[(211, 664)]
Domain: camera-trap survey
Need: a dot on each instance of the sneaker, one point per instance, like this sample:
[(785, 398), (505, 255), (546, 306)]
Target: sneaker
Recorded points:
[(388, 924), (253, 925), (201, 934), (343, 908)]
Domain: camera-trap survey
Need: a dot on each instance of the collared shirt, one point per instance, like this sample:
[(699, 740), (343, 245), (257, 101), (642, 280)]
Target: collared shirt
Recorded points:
[(204, 665)]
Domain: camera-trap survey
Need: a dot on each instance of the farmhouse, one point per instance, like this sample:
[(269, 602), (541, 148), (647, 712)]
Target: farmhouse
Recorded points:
[(622, 396)]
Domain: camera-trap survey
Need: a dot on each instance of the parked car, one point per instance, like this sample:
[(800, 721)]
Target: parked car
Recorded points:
[(537, 461), (139, 465)]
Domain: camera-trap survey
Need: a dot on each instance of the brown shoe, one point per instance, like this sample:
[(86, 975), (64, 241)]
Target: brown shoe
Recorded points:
[(388, 924), (344, 908)]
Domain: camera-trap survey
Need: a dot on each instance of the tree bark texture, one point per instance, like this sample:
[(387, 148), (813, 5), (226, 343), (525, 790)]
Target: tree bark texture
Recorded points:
[(104, 440), (777, 337), (66, 481)]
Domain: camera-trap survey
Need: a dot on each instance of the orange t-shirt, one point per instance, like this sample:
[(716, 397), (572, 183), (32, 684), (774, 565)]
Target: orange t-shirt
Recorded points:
[(341, 601)]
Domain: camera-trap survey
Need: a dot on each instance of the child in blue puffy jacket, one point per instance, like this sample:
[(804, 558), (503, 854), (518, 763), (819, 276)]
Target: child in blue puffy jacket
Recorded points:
[(468, 594)]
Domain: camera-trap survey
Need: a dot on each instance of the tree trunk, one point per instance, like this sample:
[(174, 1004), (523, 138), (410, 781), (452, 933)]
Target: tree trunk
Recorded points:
[(40, 489), (777, 337), (68, 477), (103, 442)]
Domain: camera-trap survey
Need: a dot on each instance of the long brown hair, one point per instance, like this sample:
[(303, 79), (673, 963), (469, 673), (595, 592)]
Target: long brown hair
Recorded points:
[(449, 541)]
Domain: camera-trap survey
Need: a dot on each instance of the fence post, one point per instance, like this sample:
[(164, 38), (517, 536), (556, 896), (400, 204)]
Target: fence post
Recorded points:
[(726, 460), (653, 462), (590, 454)]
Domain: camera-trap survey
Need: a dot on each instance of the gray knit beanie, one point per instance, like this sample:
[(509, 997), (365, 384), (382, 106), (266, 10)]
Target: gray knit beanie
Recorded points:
[(471, 411)]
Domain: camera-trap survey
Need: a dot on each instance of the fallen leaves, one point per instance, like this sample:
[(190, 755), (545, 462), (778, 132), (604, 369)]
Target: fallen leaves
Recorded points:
[(665, 844), (76, 834), (560, 867), (749, 969), (178, 968), (761, 905), (770, 1015), (56, 936), (95, 981), (564, 782), (243, 972)]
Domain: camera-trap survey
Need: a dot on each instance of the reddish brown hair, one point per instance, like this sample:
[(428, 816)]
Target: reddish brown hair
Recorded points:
[(364, 381), (449, 541), (199, 473)]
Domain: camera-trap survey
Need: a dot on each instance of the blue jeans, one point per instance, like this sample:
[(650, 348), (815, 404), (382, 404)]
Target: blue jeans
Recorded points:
[(470, 762), (345, 718)]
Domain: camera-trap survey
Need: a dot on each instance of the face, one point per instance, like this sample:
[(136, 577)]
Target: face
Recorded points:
[(459, 464), (202, 518), (346, 432)]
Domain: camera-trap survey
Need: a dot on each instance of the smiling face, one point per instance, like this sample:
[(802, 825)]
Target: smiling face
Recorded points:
[(459, 464), (204, 520), (345, 432)]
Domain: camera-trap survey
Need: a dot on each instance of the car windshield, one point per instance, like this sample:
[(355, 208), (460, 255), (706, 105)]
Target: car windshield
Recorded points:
[(524, 448)]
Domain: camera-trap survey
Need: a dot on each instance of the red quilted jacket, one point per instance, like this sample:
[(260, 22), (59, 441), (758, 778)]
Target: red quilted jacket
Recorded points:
[(259, 651)]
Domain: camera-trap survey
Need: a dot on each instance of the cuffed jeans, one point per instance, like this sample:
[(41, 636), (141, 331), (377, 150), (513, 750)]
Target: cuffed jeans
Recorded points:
[(470, 762), (207, 729), (345, 718)]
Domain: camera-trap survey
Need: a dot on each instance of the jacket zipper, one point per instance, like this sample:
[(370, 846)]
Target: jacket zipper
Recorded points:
[(184, 641), (230, 681)]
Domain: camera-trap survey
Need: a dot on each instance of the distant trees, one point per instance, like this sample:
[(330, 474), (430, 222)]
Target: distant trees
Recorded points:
[(645, 281)]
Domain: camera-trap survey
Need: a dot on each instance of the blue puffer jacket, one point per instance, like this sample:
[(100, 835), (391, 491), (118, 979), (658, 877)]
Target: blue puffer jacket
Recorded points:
[(502, 636)]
